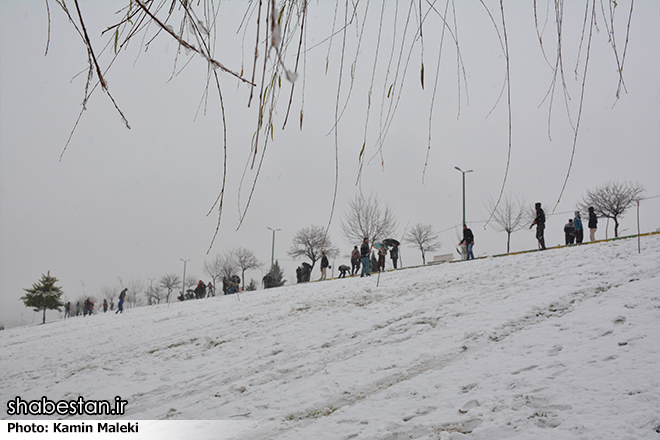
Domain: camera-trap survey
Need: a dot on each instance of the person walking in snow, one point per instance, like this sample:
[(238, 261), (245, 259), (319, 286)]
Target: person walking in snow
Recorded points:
[(120, 305), (468, 241), (364, 255), (394, 255), (373, 264), (78, 308), (355, 261), (593, 224), (569, 232), (324, 266), (105, 305), (539, 221), (67, 310)]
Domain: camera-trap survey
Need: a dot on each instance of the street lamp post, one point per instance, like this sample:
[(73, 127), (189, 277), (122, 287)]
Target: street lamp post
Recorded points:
[(272, 255), (151, 289), (464, 173), (183, 281)]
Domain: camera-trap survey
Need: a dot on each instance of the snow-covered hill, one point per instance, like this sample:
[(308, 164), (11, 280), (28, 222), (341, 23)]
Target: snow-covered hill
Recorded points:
[(554, 345)]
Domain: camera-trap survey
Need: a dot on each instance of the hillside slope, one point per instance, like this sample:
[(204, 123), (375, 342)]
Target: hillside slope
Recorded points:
[(559, 344)]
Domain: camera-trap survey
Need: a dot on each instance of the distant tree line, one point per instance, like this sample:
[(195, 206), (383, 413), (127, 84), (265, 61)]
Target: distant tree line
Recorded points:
[(366, 217)]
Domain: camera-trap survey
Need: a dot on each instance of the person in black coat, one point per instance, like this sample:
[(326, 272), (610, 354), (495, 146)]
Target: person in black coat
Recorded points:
[(468, 241), (394, 255), (324, 266), (355, 261), (539, 221), (593, 224)]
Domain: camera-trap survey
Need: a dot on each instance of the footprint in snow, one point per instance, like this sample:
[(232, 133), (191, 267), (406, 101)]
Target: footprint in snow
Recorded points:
[(554, 351)]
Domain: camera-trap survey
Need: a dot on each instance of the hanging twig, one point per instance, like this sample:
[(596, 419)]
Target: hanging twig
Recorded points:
[(579, 115), (508, 91)]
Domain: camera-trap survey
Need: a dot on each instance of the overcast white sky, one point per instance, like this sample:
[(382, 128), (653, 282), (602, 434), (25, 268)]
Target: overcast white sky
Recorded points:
[(131, 204)]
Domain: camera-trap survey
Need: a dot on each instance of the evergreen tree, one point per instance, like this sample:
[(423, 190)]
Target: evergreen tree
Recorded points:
[(44, 295), (277, 275), (252, 285)]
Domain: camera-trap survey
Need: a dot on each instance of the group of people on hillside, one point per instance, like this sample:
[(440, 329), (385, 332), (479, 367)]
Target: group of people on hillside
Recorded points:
[(230, 285), (304, 271), (573, 230), (365, 258), (88, 306)]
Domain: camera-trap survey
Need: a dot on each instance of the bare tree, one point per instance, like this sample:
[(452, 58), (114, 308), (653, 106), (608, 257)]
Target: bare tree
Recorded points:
[(246, 260), (612, 200), (228, 264), (310, 242), (155, 294), (368, 217), (423, 237), (110, 293), (510, 215), (213, 268), (135, 287), (169, 282)]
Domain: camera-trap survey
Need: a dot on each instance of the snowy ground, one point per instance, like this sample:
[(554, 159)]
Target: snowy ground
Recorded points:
[(562, 344)]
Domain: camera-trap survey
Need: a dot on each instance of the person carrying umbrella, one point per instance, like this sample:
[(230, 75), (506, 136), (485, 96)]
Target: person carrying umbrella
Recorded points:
[(394, 249)]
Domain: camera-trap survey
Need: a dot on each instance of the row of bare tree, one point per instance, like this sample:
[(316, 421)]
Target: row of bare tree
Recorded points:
[(610, 200), (369, 217), (366, 217), (223, 265)]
